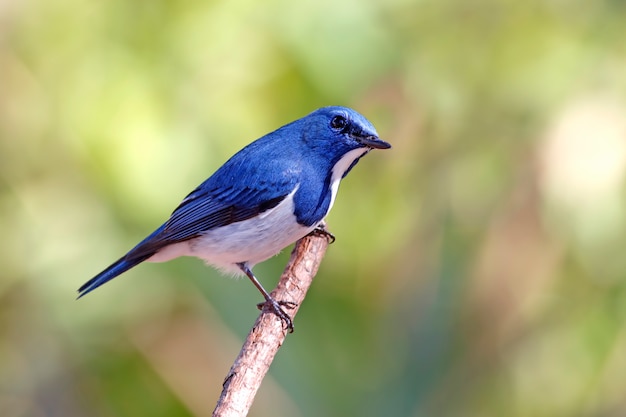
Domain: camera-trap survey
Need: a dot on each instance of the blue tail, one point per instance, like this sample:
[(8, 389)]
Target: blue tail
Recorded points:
[(144, 250), (120, 266)]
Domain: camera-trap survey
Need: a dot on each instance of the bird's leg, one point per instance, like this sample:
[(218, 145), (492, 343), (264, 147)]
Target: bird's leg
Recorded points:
[(321, 230), (271, 303)]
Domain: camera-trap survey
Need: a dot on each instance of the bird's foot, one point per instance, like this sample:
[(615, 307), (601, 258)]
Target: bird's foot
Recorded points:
[(321, 230), (275, 307)]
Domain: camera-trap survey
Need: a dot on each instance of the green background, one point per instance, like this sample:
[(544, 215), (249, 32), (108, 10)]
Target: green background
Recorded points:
[(479, 268)]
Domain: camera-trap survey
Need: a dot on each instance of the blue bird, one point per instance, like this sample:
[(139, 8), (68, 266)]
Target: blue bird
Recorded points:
[(271, 193)]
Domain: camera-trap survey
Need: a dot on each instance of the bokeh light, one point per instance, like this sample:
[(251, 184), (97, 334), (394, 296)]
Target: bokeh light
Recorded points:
[(478, 268)]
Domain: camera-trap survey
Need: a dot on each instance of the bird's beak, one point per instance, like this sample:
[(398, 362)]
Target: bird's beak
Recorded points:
[(374, 142)]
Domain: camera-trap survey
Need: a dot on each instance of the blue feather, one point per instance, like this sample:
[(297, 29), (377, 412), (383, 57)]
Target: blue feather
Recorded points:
[(134, 257), (271, 193)]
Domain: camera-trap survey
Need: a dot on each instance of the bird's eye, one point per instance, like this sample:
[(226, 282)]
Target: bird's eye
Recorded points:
[(338, 122)]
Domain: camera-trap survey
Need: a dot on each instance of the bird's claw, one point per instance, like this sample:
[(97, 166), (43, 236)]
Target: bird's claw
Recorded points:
[(320, 230), (275, 307), (289, 304)]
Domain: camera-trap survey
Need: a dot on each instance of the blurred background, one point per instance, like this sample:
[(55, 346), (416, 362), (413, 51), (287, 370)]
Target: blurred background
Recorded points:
[(479, 268)]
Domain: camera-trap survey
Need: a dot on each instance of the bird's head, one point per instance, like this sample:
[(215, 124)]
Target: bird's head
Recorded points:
[(341, 136), (339, 130)]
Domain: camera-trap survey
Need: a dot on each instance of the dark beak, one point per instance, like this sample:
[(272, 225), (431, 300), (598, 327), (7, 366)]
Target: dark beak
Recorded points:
[(374, 142)]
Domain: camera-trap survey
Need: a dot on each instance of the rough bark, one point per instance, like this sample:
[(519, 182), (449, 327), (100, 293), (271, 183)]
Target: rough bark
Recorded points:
[(268, 333)]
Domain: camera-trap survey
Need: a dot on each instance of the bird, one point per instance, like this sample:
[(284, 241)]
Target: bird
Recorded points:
[(268, 195)]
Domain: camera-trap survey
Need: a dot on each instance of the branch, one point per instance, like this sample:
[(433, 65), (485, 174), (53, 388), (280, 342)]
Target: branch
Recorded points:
[(268, 333)]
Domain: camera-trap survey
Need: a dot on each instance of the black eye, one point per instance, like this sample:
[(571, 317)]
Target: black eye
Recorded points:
[(338, 122)]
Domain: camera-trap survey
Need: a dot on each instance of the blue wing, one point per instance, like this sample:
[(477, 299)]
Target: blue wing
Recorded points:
[(236, 192), (208, 207), (204, 209)]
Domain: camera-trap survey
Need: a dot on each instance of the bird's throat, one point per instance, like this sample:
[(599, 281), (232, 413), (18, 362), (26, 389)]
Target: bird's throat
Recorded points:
[(340, 169)]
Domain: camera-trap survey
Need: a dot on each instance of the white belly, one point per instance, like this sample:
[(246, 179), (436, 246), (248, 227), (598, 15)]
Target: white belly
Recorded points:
[(251, 241)]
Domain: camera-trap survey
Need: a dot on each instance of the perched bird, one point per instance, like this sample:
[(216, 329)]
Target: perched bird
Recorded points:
[(271, 193)]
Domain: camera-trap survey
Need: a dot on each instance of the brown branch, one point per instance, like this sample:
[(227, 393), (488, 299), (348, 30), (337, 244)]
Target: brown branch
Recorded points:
[(268, 333)]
